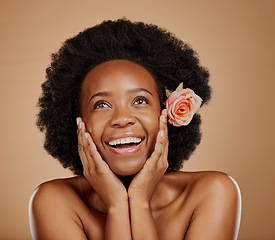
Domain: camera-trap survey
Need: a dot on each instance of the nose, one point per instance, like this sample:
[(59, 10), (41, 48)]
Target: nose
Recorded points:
[(122, 117)]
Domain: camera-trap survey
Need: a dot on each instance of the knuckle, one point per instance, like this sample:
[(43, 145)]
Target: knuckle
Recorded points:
[(163, 165), (84, 150), (100, 171), (92, 154), (151, 168), (85, 172), (158, 153), (81, 148)]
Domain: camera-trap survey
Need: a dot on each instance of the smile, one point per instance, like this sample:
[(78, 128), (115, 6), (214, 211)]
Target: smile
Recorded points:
[(123, 141), (125, 146)]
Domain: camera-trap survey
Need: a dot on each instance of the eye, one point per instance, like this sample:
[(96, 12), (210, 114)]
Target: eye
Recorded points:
[(141, 100), (100, 104)]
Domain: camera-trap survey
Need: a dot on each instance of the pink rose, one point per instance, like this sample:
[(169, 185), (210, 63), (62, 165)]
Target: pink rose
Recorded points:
[(181, 105)]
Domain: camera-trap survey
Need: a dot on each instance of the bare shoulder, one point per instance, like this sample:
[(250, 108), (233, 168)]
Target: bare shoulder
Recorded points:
[(54, 192), (204, 181), (208, 185), (51, 210), (213, 182), (216, 201)]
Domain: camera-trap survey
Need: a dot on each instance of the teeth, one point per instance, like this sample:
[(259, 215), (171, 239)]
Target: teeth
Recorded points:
[(124, 141)]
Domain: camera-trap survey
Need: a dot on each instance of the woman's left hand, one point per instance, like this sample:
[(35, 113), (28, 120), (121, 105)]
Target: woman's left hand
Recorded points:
[(145, 182)]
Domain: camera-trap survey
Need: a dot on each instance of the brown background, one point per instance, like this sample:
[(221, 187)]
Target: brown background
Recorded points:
[(234, 39)]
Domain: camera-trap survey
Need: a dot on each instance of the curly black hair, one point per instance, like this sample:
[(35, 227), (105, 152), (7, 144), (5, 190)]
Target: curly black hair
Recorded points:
[(167, 58)]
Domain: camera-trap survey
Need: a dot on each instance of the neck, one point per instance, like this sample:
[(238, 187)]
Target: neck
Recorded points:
[(126, 180)]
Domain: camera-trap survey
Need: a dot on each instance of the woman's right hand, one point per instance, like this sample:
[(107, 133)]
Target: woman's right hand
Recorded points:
[(97, 171)]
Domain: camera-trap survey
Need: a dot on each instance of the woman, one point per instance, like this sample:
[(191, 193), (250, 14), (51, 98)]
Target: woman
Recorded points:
[(104, 110)]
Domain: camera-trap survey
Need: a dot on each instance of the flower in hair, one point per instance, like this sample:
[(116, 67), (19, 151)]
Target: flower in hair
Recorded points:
[(181, 105)]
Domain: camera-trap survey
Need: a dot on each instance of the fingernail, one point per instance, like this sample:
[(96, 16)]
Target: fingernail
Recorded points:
[(77, 121), (80, 125), (165, 112), (164, 119)]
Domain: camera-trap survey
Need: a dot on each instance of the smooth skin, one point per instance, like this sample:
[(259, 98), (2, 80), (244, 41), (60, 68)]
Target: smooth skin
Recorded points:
[(130, 195)]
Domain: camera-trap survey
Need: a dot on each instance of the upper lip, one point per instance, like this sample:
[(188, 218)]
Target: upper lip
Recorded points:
[(124, 135)]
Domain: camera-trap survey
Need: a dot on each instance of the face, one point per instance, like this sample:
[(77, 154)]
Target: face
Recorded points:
[(121, 108)]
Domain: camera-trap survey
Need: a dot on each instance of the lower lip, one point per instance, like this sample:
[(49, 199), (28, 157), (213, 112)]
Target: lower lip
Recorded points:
[(126, 151)]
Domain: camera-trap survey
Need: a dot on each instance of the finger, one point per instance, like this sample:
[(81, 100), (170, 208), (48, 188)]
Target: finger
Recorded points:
[(166, 147), (80, 143), (162, 148), (159, 145), (166, 140), (92, 148), (162, 143), (151, 163), (164, 157), (86, 148), (163, 120), (95, 156), (163, 134)]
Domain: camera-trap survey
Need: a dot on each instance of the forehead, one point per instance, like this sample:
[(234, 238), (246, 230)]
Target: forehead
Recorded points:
[(118, 74)]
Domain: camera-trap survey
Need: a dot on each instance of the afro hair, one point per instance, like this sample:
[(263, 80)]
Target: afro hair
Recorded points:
[(167, 58)]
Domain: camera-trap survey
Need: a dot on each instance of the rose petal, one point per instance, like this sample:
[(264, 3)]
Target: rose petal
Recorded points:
[(181, 106)]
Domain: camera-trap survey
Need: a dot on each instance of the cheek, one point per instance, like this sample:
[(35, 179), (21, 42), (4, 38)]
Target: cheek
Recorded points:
[(151, 125)]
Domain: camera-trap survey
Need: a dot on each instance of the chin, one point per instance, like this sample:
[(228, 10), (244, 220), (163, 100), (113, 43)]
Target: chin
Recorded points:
[(126, 173), (127, 170)]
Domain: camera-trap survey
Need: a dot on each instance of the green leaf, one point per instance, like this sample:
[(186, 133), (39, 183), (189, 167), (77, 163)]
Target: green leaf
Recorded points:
[(168, 92), (180, 87)]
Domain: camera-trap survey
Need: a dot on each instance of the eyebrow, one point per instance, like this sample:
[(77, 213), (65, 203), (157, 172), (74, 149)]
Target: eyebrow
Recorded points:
[(107, 94), (139, 90), (104, 94)]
